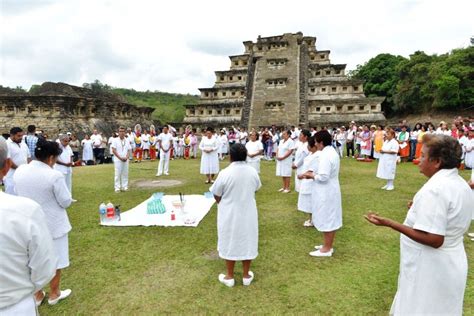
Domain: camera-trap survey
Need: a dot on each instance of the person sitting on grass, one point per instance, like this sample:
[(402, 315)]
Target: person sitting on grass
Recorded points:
[(237, 218)]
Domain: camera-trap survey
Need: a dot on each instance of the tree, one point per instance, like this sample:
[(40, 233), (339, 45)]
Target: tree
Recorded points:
[(380, 77)]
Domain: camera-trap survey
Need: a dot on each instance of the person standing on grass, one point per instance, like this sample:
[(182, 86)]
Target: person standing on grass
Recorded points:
[(237, 218), (121, 150), (433, 263), (300, 154), (64, 162), (165, 143), (388, 160), (27, 257), (209, 158), (326, 195), (310, 166), (47, 187), (19, 155), (254, 151), (284, 160)]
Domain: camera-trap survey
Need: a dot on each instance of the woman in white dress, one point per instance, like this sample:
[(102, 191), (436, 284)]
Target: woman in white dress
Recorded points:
[(388, 160), (254, 151), (433, 263), (326, 196), (209, 158), (46, 186), (310, 165), (469, 150), (283, 160), (145, 145), (237, 218), (87, 152), (224, 144), (300, 154)]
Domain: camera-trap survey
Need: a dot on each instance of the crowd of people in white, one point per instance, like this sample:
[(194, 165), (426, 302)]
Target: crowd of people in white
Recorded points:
[(37, 174)]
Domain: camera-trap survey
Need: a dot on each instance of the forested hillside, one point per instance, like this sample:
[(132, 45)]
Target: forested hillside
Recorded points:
[(421, 83)]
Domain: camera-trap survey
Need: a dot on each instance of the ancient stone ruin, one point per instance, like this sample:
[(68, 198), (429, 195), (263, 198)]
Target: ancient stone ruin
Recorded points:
[(58, 108), (283, 80)]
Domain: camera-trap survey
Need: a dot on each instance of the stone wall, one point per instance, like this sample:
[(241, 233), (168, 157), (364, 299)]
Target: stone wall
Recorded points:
[(284, 80), (60, 114)]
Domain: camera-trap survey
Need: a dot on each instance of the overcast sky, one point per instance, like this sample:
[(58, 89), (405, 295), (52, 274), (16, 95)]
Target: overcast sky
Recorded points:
[(175, 46)]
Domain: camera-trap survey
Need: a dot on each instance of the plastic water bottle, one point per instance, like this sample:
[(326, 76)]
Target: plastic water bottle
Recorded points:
[(110, 211), (117, 213), (102, 211), (173, 216)]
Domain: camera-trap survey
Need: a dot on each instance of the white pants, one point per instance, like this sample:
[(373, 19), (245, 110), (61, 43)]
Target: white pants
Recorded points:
[(121, 174), (164, 159), (68, 178), (26, 307)]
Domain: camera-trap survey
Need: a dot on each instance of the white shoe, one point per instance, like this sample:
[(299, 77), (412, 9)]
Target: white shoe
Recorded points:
[(63, 295), (286, 191), (125, 189), (384, 187), (247, 281), (228, 283), (167, 174), (390, 188), (38, 303), (308, 223), (117, 191), (73, 200), (281, 190), (318, 253), (470, 235), (158, 174)]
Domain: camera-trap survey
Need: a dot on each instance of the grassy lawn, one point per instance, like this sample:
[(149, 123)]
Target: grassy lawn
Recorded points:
[(156, 270)]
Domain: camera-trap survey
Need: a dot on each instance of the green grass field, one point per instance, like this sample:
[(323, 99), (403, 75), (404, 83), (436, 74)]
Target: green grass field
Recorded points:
[(157, 270)]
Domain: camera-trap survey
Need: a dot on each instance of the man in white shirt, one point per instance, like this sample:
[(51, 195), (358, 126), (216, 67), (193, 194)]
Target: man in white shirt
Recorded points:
[(243, 137), (19, 154), (96, 139), (27, 256), (165, 143), (121, 149), (64, 161)]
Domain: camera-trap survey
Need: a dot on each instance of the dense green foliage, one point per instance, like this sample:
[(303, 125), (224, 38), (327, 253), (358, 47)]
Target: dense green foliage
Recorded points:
[(422, 82), (169, 106)]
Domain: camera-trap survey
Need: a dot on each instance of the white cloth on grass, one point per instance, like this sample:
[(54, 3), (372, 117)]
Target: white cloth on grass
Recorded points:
[(300, 154), (209, 161), (326, 195), (237, 218), (196, 207), (47, 187), (27, 257), (306, 187), (432, 280), (283, 167), (388, 162)]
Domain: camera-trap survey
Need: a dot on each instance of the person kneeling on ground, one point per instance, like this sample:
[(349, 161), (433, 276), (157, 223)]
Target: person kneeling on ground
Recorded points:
[(237, 219)]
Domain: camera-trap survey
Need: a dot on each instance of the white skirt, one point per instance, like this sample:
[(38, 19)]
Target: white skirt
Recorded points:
[(255, 165), (283, 167), (61, 245), (304, 203)]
